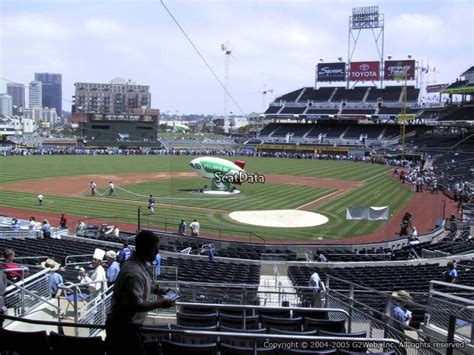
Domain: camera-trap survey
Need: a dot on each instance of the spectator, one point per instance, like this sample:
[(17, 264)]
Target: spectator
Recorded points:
[(194, 226), (63, 221), (15, 225), (182, 227), (317, 285), (157, 264), (55, 279), (399, 313), (46, 229), (32, 227), (212, 252), (113, 232), (81, 227), (113, 267), (8, 264), (3, 287), (97, 275), (131, 299), (320, 257), (451, 275), (453, 225), (124, 253)]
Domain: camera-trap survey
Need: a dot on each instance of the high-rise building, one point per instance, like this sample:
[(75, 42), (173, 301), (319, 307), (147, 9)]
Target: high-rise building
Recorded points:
[(52, 90), (17, 92), (117, 97), (6, 105), (35, 94)]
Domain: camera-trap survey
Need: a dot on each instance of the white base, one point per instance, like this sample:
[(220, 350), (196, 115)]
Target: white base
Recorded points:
[(279, 218), (220, 193)]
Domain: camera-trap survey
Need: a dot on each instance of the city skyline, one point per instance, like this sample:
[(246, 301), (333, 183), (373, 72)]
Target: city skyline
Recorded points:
[(275, 45)]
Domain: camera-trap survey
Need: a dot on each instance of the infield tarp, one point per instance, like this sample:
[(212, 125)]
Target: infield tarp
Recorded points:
[(369, 213)]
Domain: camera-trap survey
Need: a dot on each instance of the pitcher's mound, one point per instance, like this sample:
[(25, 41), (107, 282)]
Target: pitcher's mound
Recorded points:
[(279, 218)]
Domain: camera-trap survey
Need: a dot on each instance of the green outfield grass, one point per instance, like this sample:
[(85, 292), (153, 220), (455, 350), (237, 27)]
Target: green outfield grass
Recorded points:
[(379, 189)]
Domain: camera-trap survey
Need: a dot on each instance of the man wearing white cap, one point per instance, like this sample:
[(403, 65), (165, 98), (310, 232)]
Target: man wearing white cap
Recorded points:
[(113, 267), (97, 275)]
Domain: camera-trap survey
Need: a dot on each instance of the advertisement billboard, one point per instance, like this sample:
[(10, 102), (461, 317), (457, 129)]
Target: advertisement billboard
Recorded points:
[(435, 88), (395, 69), (331, 71), (364, 71)]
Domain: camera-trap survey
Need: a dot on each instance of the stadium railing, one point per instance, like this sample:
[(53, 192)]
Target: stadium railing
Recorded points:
[(362, 317)]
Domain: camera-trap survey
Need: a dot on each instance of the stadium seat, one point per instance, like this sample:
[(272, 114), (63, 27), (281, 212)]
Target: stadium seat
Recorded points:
[(337, 326), (227, 349), (292, 324), (193, 338), (23, 343), (231, 321), (172, 348), (196, 320), (65, 344)]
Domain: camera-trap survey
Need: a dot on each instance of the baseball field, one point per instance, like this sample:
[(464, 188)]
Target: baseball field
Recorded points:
[(325, 187)]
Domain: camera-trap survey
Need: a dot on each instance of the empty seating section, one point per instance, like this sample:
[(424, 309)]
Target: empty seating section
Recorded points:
[(350, 111), (272, 110), (356, 94), (390, 93), (298, 130), (372, 132), (390, 110), (290, 97), (292, 110), (413, 278), (412, 93), (460, 114), (268, 129), (322, 111), (216, 272), (317, 95)]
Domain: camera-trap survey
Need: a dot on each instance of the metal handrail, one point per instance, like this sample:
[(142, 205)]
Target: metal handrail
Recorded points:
[(66, 263)]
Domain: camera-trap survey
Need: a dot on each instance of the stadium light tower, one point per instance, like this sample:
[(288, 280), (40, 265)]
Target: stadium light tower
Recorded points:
[(366, 18), (227, 52)]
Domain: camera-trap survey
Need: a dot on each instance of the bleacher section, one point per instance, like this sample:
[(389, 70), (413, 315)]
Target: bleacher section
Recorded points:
[(321, 111), (298, 130), (356, 94), (272, 110), (390, 110), (459, 114), (349, 111), (292, 110), (290, 97), (317, 95), (390, 93), (372, 132)]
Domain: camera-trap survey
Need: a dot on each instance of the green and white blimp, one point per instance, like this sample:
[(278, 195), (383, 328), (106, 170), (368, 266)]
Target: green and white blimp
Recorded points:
[(222, 172)]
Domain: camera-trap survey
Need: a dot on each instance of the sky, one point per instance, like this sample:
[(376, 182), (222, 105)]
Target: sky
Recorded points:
[(275, 45)]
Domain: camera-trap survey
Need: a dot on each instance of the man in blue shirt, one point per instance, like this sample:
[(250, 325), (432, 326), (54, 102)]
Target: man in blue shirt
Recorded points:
[(451, 275), (113, 267), (15, 225), (46, 229), (124, 253), (401, 316), (55, 278)]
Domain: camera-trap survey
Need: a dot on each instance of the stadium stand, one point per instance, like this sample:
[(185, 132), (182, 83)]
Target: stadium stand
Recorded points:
[(317, 95), (342, 94), (290, 97)]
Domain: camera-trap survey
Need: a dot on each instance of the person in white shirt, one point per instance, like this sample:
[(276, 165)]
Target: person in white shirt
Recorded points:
[(194, 226), (40, 199), (98, 275), (112, 189), (32, 227), (317, 284)]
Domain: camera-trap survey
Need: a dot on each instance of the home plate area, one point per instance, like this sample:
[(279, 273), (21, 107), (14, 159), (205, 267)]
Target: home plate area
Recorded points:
[(279, 218)]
